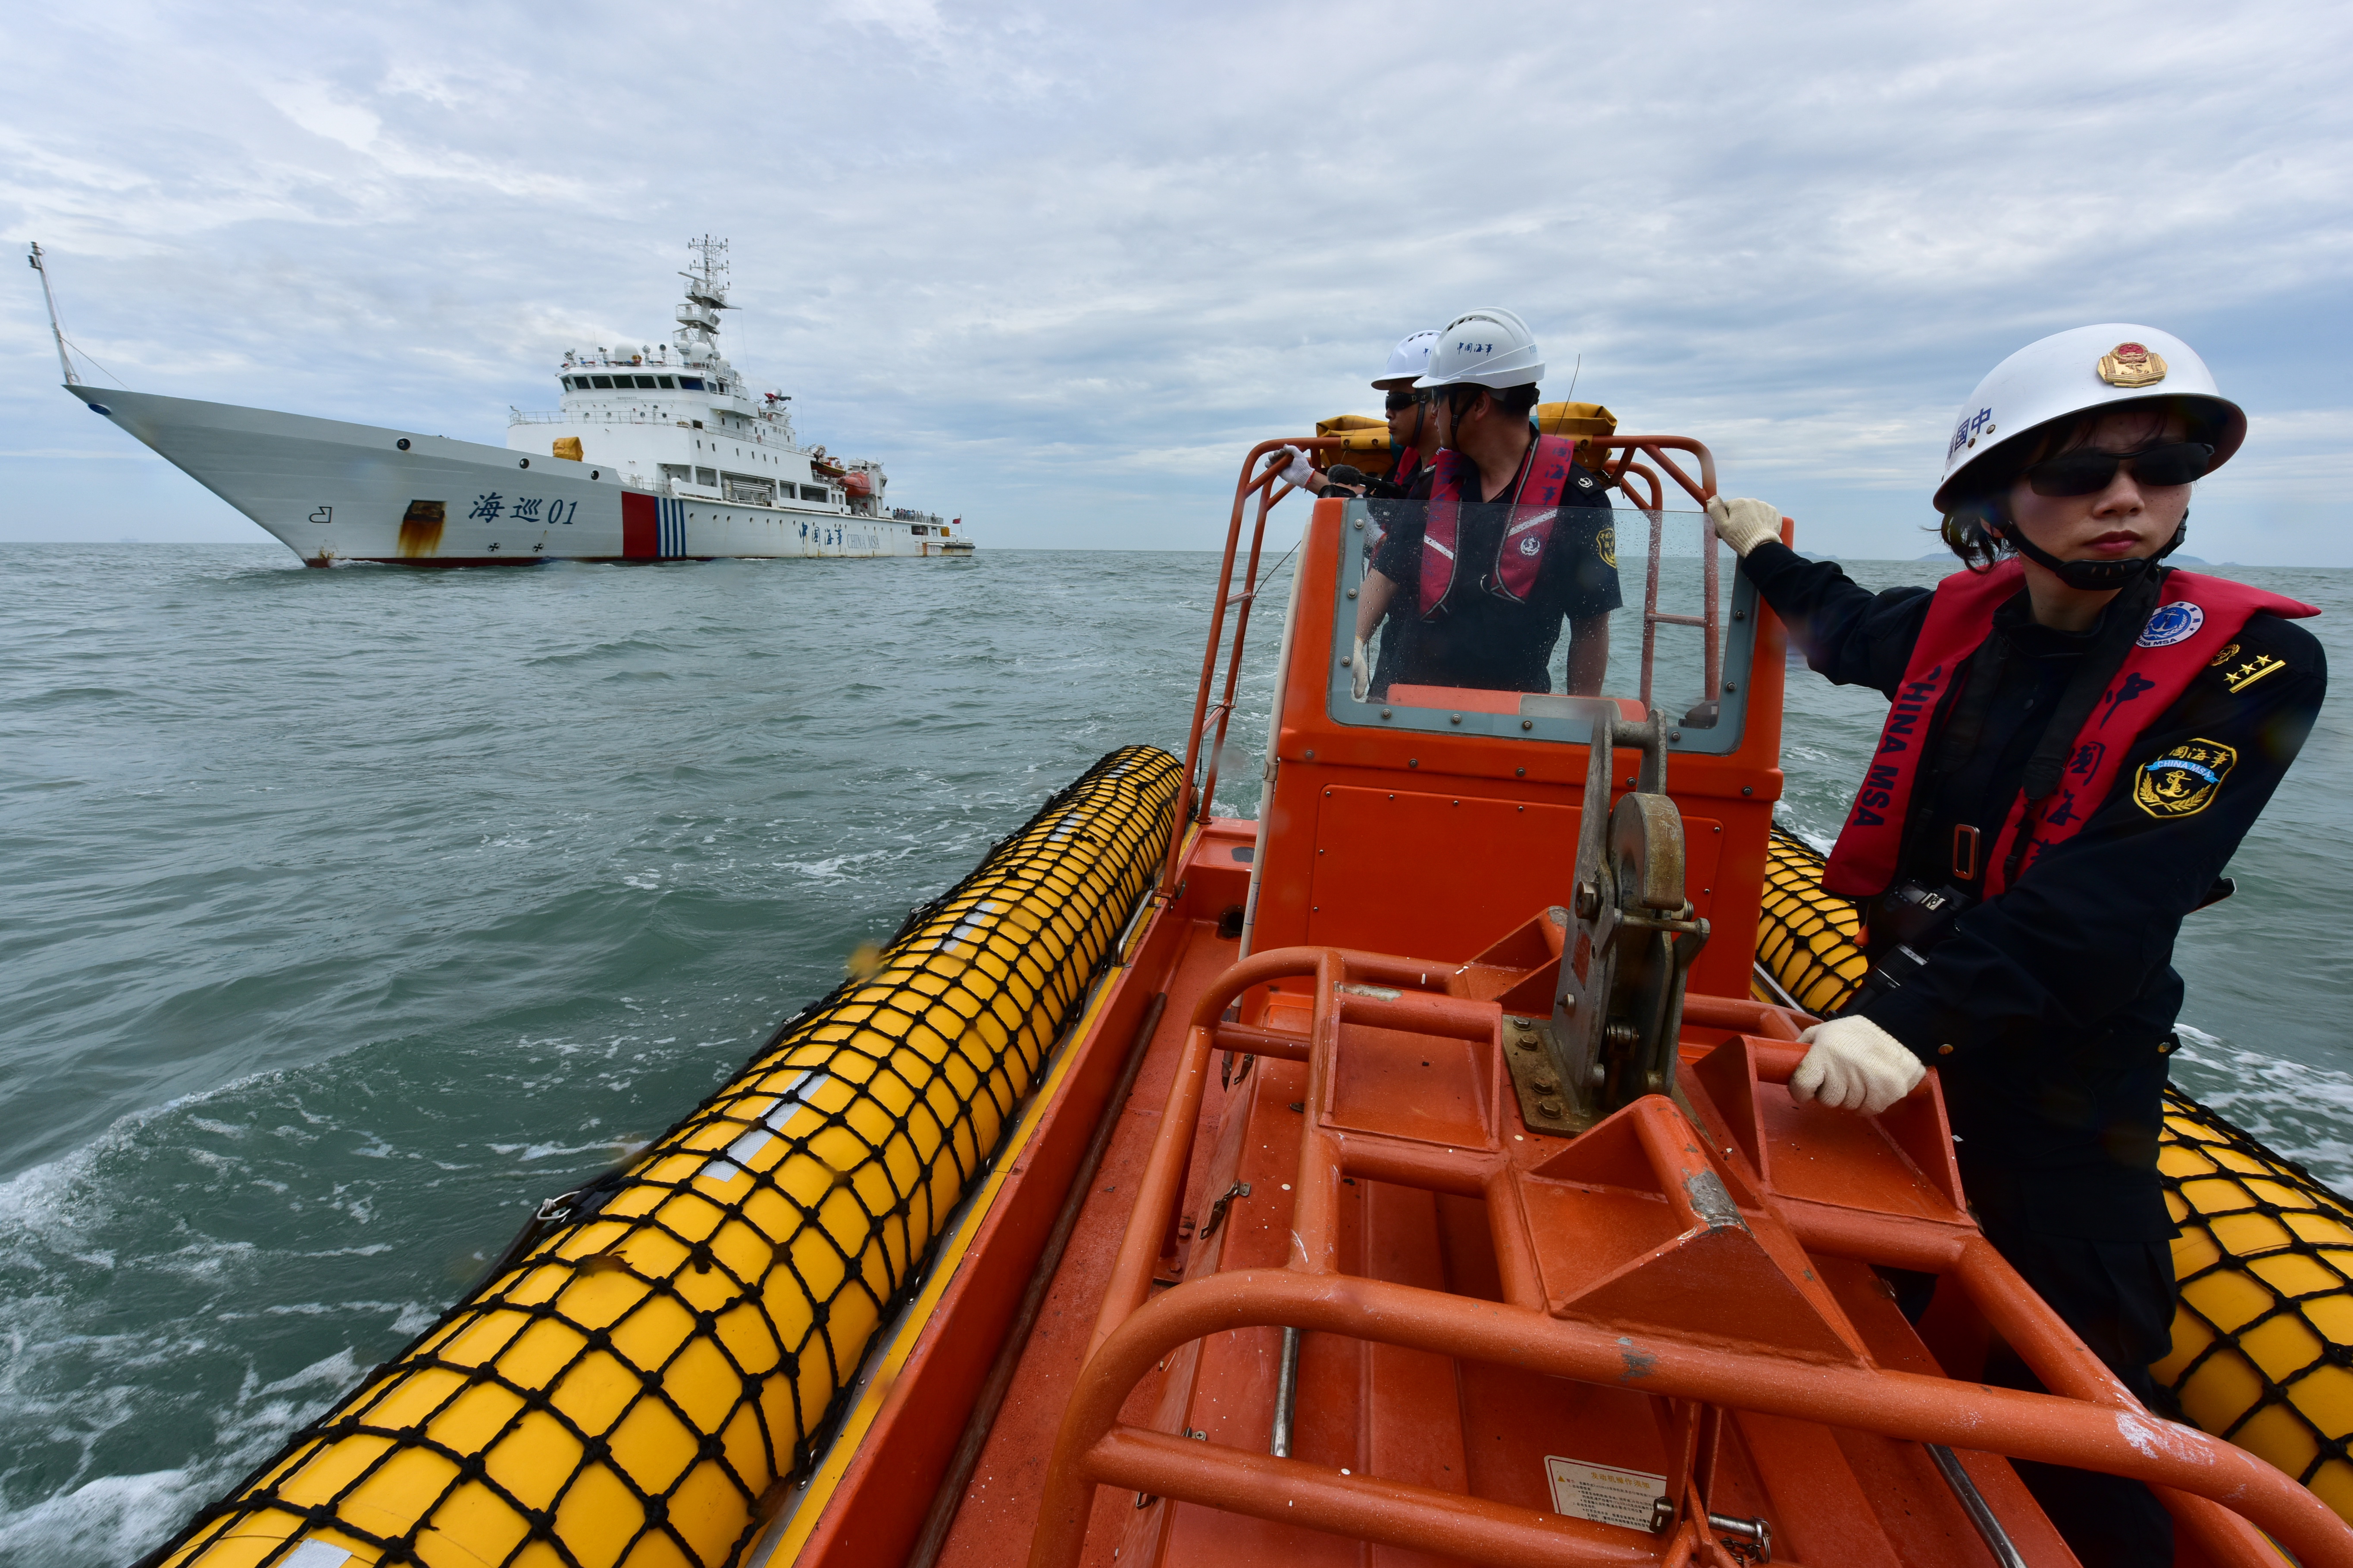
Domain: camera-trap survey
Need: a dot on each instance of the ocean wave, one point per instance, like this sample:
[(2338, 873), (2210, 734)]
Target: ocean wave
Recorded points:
[(112, 1518), (2293, 1108)]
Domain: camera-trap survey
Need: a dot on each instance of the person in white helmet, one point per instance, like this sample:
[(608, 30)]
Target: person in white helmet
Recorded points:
[(1517, 537), (1411, 438), (2078, 739), (1413, 443), (1413, 434)]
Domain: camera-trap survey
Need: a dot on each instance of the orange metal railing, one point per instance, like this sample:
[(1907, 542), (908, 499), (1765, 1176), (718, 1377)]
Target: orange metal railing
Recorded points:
[(1625, 471), (1629, 466), (2088, 1422), (1194, 805)]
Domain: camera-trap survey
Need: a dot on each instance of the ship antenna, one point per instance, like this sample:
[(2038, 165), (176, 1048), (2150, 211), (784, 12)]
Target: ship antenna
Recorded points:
[(64, 362)]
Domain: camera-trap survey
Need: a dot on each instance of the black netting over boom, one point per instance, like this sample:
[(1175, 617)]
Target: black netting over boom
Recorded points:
[(664, 1346), (2262, 1346), (1805, 937), (2263, 1343)]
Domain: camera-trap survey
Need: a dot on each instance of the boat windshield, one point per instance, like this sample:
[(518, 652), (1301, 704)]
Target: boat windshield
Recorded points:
[(1504, 621)]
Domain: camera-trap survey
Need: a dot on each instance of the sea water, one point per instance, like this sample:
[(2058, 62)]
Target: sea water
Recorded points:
[(343, 915)]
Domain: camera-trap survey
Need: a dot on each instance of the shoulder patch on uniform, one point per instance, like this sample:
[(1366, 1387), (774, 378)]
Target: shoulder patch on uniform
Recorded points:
[(2184, 780), (2170, 623), (1604, 544), (2238, 676), (2230, 651)]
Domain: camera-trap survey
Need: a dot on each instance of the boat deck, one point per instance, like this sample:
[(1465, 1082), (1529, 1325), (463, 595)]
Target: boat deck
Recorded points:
[(1408, 1416)]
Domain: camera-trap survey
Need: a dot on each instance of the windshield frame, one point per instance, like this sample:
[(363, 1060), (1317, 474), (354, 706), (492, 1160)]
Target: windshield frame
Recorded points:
[(1562, 719)]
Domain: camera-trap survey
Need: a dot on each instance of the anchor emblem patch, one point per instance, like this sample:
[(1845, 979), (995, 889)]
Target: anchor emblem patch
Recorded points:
[(2184, 780)]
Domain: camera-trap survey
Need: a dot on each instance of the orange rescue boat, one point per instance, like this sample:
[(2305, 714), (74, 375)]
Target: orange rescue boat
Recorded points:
[(1405, 1177)]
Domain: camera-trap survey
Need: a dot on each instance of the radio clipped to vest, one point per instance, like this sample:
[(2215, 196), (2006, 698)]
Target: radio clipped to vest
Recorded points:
[(1901, 927)]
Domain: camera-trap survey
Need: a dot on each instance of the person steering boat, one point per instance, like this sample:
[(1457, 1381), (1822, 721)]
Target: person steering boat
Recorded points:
[(2079, 737)]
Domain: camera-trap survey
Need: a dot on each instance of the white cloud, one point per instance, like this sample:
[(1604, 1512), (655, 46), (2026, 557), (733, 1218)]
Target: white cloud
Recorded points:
[(1026, 255)]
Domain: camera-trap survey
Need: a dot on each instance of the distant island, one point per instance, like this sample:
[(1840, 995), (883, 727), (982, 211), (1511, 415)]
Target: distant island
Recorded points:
[(2174, 560)]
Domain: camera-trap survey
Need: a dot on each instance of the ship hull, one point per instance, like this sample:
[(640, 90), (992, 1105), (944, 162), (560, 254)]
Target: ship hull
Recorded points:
[(334, 492)]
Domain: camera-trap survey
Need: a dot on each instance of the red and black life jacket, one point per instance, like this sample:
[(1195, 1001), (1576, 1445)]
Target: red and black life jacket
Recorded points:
[(2195, 616), (1520, 553)]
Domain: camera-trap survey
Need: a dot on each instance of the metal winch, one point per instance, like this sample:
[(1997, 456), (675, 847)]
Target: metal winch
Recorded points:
[(1630, 939)]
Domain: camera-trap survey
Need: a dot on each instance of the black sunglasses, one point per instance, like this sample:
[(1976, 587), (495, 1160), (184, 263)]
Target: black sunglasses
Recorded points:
[(2089, 472), (1399, 401)]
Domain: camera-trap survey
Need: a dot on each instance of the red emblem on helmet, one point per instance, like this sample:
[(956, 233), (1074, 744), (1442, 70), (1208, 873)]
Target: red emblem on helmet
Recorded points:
[(2131, 364)]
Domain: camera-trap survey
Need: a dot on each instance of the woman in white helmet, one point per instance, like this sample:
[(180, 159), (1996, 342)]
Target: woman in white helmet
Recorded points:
[(2078, 739), (1515, 537)]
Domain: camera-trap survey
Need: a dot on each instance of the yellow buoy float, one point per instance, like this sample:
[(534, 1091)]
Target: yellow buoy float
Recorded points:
[(660, 1347)]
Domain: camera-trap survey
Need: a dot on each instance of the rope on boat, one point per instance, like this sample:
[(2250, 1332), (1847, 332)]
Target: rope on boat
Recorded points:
[(2262, 1341), (663, 1348)]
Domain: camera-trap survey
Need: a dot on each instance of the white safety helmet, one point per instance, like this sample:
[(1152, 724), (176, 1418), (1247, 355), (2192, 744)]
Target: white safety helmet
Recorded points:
[(2085, 368), (1407, 361), (1486, 347)]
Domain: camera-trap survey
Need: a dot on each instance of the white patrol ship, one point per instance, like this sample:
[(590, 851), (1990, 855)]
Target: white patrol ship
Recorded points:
[(654, 454)]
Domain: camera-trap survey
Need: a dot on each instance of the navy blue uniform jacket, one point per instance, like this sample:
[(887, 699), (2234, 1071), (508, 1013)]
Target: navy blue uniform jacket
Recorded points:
[(2058, 997)]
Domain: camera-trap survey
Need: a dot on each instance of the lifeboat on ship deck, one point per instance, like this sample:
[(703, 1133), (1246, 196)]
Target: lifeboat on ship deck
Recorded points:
[(1408, 1175)]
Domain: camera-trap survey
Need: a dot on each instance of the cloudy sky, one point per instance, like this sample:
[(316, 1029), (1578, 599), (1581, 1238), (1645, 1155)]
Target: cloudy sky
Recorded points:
[(1059, 267)]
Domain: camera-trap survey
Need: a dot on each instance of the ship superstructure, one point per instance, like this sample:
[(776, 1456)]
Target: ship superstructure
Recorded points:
[(654, 453), (678, 419)]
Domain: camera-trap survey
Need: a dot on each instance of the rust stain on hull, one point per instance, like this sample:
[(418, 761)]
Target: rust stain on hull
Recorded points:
[(420, 528)]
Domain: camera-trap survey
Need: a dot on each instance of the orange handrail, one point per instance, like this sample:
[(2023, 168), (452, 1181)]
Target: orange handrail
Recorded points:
[(1195, 801), (2088, 1422), (1092, 1448), (1267, 485)]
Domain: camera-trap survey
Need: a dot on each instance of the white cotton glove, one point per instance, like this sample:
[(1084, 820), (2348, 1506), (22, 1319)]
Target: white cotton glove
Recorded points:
[(1360, 672), (1297, 470), (1854, 1065), (1745, 524)]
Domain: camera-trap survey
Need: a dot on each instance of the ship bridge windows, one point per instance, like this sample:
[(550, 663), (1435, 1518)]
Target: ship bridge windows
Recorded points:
[(1537, 621), (690, 382), (624, 383)]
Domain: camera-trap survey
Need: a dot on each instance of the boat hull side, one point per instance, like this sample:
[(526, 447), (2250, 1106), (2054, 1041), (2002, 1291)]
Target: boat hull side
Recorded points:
[(334, 491)]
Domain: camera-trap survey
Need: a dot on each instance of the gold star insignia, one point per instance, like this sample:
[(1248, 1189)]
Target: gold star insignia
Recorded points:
[(2240, 677)]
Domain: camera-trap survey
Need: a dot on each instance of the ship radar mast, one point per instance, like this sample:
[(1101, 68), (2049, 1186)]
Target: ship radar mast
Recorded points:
[(706, 295)]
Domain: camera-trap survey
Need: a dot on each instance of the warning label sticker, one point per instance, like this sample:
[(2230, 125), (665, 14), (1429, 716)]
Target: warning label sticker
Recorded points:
[(1603, 1493)]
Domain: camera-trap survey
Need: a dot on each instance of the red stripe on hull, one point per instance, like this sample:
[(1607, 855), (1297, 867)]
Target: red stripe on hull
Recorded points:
[(641, 537)]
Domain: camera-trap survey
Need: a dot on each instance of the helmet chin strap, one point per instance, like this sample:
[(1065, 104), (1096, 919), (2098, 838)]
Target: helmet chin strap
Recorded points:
[(2090, 576)]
